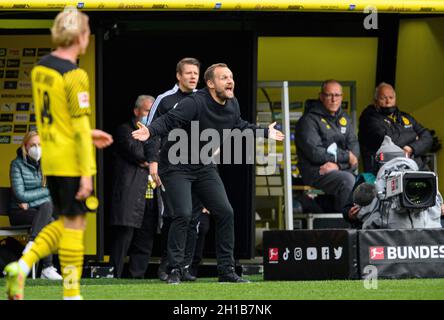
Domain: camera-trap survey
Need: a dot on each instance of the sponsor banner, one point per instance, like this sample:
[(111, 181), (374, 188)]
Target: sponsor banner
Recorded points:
[(22, 106), (25, 74), (17, 139), (12, 63), (2, 52), (15, 96), (411, 6), (11, 74), (24, 85), (28, 63), (13, 52), (20, 128), (43, 52), (2, 63), (403, 253), (32, 127), (11, 85), (6, 117), (5, 139), (32, 117), (5, 128), (29, 52), (21, 117), (310, 254), (7, 107)]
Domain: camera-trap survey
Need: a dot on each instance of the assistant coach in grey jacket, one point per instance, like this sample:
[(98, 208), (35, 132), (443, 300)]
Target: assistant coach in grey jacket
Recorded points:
[(327, 146)]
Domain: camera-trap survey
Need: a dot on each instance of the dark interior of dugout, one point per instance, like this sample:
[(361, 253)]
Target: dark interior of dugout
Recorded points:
[(137, 63)]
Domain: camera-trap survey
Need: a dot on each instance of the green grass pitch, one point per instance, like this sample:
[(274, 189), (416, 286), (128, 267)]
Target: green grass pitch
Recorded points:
[(210, 289)]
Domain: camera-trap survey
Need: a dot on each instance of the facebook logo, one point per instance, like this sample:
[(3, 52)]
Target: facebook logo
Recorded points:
[(325, 253)]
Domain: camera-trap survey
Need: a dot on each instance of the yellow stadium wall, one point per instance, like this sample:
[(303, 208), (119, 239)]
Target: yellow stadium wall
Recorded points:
[(319, 58), (420, 75), (8, 151)]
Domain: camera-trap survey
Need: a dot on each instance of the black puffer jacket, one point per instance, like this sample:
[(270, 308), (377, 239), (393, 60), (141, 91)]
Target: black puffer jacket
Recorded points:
[(315, 132), (402, 128)]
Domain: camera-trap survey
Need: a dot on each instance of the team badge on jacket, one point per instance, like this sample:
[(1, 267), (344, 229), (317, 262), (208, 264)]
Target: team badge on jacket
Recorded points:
[(406, 122), (343, 123)]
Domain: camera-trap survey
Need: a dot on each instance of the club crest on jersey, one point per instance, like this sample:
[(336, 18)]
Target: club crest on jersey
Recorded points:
[(83, 98)]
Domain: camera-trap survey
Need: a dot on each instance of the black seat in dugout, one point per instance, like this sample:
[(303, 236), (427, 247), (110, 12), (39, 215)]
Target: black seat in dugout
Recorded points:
[(23, 230)]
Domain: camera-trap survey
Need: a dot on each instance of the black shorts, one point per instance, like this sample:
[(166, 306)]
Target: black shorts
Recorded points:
[(63, 193)]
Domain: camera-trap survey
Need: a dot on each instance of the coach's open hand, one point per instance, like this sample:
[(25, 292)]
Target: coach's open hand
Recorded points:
[(275, 134), (142, 133)]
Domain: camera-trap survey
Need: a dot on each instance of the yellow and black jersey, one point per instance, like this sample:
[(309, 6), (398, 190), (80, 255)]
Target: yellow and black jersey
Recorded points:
[(61, 98)]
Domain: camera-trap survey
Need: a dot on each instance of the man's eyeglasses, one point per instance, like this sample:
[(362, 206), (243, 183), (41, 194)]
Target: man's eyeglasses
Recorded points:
[(332, 95)]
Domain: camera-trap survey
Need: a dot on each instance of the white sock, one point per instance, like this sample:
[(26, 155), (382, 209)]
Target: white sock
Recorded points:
[(73, 298), (24, 267)]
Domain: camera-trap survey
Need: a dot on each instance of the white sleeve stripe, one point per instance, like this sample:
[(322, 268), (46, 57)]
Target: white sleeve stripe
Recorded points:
[(157, 101)]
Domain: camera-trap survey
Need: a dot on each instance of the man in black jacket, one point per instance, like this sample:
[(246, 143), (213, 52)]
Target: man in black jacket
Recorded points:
[(385, 119), (133, 215), (327, 147), (213, 108)]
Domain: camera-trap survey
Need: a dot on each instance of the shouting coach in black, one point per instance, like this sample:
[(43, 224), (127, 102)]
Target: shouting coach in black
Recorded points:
[(216, 108)]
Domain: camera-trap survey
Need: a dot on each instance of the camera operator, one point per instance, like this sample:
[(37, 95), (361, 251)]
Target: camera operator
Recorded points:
[(387, 203)]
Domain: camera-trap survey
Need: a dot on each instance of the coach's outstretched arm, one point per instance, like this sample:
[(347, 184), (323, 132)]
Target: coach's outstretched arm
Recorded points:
[(184, 112)]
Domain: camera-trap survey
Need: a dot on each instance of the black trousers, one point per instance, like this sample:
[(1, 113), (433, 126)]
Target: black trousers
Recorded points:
[(339, 184), (206, 184), (203, 226), (191, 234), (194, 248), (137, 243), (38, 218)]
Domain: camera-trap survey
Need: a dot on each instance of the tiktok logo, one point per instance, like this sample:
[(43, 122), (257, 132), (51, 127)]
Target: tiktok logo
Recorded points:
[(285, 255)]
